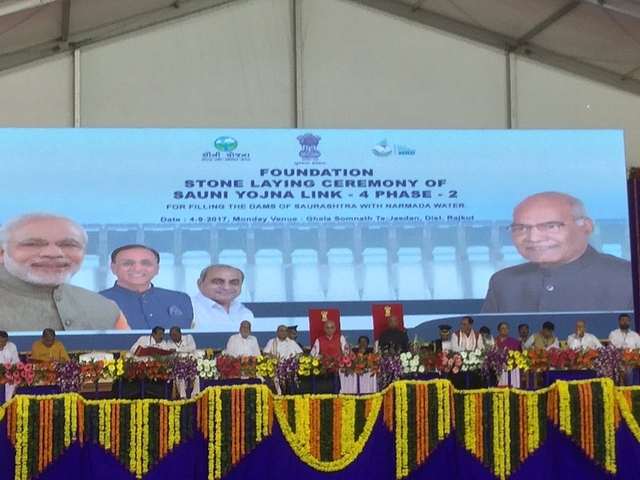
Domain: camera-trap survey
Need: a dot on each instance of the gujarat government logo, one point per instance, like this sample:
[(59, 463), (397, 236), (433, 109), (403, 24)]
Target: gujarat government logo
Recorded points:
[(225, 144)]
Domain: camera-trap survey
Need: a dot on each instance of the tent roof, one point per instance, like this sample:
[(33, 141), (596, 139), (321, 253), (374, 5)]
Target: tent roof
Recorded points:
[(596, 39)]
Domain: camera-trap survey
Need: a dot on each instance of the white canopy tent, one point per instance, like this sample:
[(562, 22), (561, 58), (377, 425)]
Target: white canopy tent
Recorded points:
[(598, 39), (322, 64)]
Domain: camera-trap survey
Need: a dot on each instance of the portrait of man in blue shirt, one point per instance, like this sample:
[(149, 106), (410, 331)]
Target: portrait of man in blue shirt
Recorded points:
[(143, 304)]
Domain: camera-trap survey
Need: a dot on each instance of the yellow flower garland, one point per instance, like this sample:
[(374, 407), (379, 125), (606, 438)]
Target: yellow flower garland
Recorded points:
[(444, 403), (608, 405), (627, 414), (298, 439), (402, 454), (348, 425), (348, 447), (22, 437), (564, 407), (564, 410), (470, 424), (403, 419)]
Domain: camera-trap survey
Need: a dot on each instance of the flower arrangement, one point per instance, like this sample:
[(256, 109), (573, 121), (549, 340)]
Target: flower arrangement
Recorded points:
[(495, 362), (538, 359), (572, 359), (266, 367), (286, 369), (152, 370), (389, 366), (308, 366), (183, 367), (432, 361), (240, 367), (17, 373), (207, 369), (92, 371), (608, 362), (411, 363), (450, 362), (471, 360), (517, 359), (69, 376), (113, 369), (630, 358), (390, 369)]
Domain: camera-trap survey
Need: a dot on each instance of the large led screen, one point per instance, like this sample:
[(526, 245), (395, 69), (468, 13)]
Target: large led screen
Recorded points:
[(346, 218)]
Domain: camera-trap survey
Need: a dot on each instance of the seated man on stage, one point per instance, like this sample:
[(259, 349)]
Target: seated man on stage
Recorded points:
[(8, 354), (184, 345), (282, 346), (363, 345), (150, 345), (180, 343), (444, 342), (215, 306), (393, 339), (39, 253), (623, 337), (523, 334), (143, 304), (48, 348), (243, 343), (581, 340), (544, 338)]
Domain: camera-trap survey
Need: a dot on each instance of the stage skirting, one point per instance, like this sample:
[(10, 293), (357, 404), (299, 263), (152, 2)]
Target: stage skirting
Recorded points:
[(414, 429)]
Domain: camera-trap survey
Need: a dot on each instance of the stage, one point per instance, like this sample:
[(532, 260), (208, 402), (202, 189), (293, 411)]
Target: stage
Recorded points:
[(414, 429)]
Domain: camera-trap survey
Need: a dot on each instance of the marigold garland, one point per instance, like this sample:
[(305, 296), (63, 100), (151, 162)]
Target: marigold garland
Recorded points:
[(308, 418), (576, 405), (623, 397), (422, 418), (230, 437), (499, 427)]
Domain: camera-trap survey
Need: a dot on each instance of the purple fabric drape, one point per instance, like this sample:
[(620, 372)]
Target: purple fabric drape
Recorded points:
[(558, 458), (633, 191)]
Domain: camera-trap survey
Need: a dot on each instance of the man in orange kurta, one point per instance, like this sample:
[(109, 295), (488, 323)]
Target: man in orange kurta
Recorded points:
[(48, 348)]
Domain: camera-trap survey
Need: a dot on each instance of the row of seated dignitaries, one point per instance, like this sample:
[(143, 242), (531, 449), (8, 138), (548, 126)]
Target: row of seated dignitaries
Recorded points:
[(331, 343), (40, 252)]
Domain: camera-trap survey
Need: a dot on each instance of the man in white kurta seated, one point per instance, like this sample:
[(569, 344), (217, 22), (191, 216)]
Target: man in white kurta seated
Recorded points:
[(184, 345), (282, 346), (243, 343), (581, 340), (8, 354), (179, 342), (623, 337), (155, 340)]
